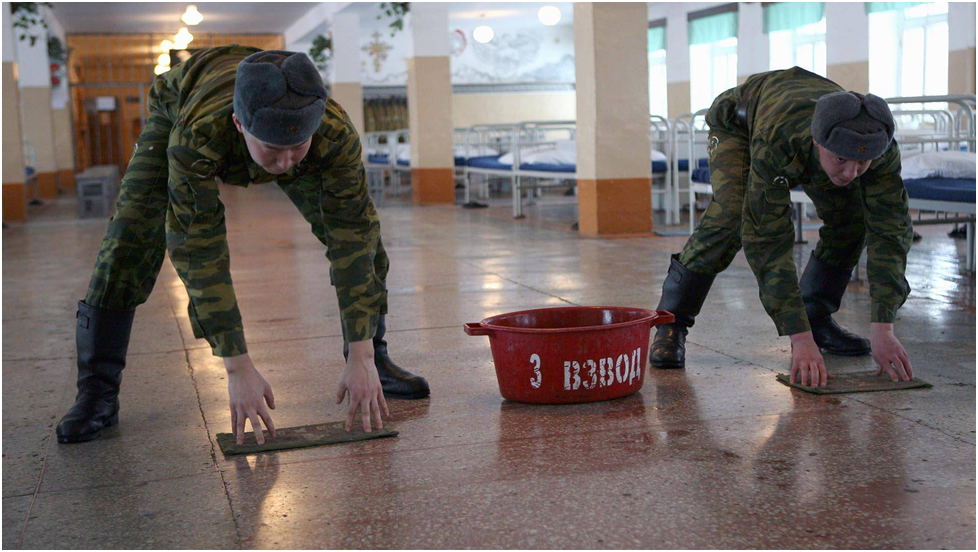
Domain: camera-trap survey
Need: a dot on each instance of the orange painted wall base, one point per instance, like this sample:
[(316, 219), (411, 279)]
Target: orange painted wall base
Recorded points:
[(14, 202), (433, 186), (67, 179), (615, 206), (47, 185)]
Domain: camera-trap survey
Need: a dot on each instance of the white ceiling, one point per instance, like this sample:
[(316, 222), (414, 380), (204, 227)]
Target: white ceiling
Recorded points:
[(478, 10), (164, 17)]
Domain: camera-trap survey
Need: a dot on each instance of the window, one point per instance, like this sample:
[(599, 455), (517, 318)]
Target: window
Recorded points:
[(713, 70), (908, 51), (802, 46), (658, 92)]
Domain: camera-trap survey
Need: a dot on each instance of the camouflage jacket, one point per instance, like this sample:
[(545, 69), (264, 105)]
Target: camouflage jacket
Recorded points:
[(205, 147), (783, 156)]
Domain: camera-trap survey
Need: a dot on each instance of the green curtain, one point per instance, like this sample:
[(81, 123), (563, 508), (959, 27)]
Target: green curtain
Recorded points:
[(876, 7), (713, 28), (657, 39), (785, 16)]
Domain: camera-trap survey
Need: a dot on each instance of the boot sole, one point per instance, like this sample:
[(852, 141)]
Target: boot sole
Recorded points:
[(861, 352), (668, 365), (68, 439), (413, 396)]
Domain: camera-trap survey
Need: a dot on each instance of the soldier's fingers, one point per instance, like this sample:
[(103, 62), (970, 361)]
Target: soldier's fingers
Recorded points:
[(234, 422), (267, 418), (890, 371), (269, 397), (375, 411), (906, 363), (804, 374), (340, 393), (794, 372), (351, 413), (898, 367), (823, 373), (256, 427), (365, 413), (240, 425), (383, 404)]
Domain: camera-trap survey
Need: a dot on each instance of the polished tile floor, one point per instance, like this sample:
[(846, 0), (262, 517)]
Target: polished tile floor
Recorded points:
[(719, 455)]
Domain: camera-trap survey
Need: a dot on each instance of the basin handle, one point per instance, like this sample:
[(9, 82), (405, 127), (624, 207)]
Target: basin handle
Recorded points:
[(663, 317), (476, 328)]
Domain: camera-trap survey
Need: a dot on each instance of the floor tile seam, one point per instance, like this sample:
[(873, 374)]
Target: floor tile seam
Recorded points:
[(213, 454), (128, 355), (476, 444), (207, 429), (917, 422), (848, 397), (141, 482), (52, 436), (331, 336), (508, 279)]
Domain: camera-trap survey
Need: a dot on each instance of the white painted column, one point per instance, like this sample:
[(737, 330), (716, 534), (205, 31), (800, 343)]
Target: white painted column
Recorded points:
[(753, 44), (14, 192), (677, 64), (430, 104), (961, 47), (614, 166), (345, 84), (35, 105), (847, 45)]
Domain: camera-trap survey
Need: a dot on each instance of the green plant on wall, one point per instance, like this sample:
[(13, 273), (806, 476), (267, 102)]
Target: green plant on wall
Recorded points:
[(397, 10), (26, 15), (57, 52), (321, 52)]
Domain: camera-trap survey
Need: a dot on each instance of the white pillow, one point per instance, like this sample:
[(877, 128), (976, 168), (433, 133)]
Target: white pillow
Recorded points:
[(939, 164), (561, 153), (658, 156), (404, 152), (474, 151)]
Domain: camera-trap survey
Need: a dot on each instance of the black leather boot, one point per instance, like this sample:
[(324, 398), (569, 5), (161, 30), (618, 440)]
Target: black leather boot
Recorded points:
[(102, 339), (683, 294), (822, 286), (397, 382)]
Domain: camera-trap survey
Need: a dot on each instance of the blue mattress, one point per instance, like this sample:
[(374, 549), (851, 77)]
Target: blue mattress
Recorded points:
[(701, 175), (488, 162), (459, 161), (404, 162), (548, 167), (378, 158), (661, 166), (941, 189)]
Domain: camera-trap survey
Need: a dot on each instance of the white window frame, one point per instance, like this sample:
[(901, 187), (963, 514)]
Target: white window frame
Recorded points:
[(718, 52), (901, 24), (658, 58), (801, 36)]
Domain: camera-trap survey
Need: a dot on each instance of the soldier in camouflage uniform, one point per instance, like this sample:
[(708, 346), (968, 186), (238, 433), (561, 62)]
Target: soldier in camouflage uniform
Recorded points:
[(777, 131), (239, 116)]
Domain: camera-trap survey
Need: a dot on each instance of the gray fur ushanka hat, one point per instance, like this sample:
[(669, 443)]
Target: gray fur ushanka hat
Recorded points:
[(852, 125), (279, 97)]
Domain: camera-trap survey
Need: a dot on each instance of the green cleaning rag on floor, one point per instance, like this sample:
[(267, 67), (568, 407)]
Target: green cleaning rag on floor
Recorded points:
[(856, 382), (298, 437)]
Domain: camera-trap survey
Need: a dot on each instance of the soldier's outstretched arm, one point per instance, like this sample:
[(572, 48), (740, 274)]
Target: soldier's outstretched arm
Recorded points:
[(196, 238), (767, 235), (889, 234), (336, 204)]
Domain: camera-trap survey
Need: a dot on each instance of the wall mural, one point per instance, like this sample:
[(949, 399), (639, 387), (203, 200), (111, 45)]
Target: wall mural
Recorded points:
[(517, 54)]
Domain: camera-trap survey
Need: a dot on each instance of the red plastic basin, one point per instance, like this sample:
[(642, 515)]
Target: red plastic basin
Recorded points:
[(570, 354)]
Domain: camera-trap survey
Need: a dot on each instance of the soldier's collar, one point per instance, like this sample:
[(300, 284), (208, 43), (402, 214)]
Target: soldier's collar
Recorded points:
[(815, 170)]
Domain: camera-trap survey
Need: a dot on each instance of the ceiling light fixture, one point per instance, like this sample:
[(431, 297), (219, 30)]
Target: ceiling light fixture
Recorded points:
[(164, 59), (192, 16), (183, 39), (160, 69), (166, 46), (549, 15), (483, 34)]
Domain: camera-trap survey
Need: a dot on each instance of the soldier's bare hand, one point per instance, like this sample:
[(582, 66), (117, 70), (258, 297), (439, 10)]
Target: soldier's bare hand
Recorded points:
[(248, 392), (360, 379), (807, 364), (889, 354)]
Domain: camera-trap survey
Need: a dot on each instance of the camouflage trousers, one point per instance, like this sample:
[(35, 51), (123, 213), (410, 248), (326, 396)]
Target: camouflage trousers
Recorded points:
[(135, 244), (717, 238)]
